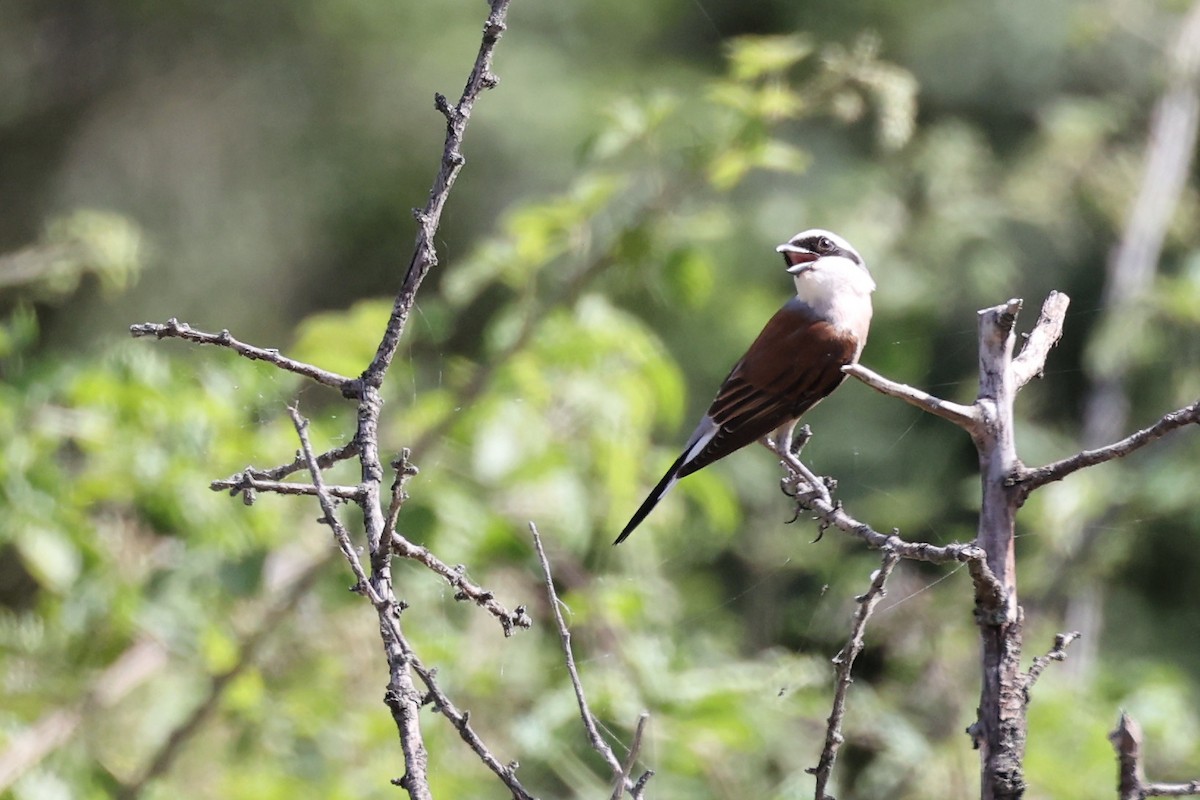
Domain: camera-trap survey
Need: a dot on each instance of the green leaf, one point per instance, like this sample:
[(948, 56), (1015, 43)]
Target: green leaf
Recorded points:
[(752, 57)]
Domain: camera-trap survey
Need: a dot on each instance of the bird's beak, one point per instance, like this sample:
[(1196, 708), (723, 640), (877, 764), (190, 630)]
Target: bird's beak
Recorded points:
[(797, 258)]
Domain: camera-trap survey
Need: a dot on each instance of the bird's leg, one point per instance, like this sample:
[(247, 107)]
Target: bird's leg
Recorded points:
[(799, 439), (784, 446)]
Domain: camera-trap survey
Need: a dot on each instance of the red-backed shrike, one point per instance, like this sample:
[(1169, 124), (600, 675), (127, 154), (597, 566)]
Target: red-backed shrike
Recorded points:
[(794, 363)]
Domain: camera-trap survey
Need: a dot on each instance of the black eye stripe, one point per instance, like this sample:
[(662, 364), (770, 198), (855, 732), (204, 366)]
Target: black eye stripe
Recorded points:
[(819, 244)]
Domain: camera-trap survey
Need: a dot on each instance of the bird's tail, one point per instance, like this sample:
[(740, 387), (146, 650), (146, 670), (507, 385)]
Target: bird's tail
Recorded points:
[(650, 502)]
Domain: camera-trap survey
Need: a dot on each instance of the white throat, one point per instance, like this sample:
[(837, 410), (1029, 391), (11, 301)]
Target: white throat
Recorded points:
[(839, 291)]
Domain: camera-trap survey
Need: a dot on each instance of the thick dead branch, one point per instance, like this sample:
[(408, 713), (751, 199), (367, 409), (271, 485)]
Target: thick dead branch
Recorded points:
[(1131, 777)]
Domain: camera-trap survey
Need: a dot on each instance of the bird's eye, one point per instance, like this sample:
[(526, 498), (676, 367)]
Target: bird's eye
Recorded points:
[(824, 245)]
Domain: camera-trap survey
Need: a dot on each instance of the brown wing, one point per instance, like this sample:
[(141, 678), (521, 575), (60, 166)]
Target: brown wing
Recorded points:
[(795, 362)]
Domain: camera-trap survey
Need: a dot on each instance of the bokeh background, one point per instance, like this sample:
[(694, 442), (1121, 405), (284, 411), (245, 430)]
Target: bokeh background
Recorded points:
[(605, 257)]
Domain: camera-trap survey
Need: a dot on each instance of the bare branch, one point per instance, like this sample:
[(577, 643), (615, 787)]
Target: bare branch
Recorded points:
[(843, 665), (330, 518), (635, 750), (965, 417), (461, 720), (246, 484), (833, 515), (405, 471), (564, 635), (456, 577), (1189, 789), (428, 218), (1045, 334), (174, 329), (240, 481), (401, 697), (1057, 653), (1029, 479), (1131, 778), (589, 721), (1127, 740)]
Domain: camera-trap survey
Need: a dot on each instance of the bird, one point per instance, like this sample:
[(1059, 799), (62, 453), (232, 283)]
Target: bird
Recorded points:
[(794, 363)]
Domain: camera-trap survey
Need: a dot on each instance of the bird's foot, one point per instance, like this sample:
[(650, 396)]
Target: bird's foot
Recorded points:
[(801, 484)]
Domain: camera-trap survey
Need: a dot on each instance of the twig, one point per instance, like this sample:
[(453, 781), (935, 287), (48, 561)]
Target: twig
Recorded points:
[(965, 417), (405, 471), (461, 720), (402, 696), (589, 721), (1030, 478), (240, 481), (330, 518), (428, 218), (456, 577), (843, 665), (564, 635), (1057, 653), (1131, 778), (635, 750), (245, 484), (174, 329)]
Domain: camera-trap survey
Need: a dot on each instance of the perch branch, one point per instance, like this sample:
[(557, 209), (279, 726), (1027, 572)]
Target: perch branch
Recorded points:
[(843, 665), (174, 329), (833, 515), (620, 773), (965, 417)]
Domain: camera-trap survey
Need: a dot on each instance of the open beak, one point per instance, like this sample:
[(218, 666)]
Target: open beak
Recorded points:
[(797, 258)]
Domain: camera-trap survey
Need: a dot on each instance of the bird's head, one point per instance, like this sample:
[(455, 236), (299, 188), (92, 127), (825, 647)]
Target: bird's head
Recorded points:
[(822, 263)]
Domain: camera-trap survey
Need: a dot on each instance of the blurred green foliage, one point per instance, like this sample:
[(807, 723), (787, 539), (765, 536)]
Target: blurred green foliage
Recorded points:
[(607, 255)]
